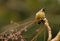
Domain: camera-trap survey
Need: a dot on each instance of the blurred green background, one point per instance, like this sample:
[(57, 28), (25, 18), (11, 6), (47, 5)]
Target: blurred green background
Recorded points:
[(20, 10)]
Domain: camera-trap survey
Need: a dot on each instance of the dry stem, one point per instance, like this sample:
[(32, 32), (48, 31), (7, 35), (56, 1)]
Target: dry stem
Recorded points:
[(49, 29)]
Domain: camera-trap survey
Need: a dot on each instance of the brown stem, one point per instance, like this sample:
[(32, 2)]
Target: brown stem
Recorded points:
[(49, 29)]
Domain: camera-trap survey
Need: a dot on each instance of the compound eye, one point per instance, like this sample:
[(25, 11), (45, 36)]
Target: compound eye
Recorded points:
[(43, 9)]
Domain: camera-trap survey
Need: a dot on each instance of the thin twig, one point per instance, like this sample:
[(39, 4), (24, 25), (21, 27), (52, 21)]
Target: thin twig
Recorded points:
[(49, 29)]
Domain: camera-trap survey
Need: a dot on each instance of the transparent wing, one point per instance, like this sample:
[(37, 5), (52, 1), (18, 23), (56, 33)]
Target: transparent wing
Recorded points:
[(14, 30), (16, 25)]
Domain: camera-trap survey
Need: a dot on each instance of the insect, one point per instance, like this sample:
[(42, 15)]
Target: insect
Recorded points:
[(40, 15), (39, 18)]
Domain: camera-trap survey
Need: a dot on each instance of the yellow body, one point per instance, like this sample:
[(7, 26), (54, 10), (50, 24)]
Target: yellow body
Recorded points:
[(40, 15)]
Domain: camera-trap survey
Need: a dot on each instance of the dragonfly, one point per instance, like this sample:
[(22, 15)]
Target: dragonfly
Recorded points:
[(14, 26)]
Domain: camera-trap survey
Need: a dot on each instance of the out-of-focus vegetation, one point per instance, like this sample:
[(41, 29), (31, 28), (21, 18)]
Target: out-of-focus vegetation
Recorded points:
[(23, 10)]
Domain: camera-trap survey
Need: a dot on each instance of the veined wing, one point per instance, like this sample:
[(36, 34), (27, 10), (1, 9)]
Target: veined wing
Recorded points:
[(16, 25)]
